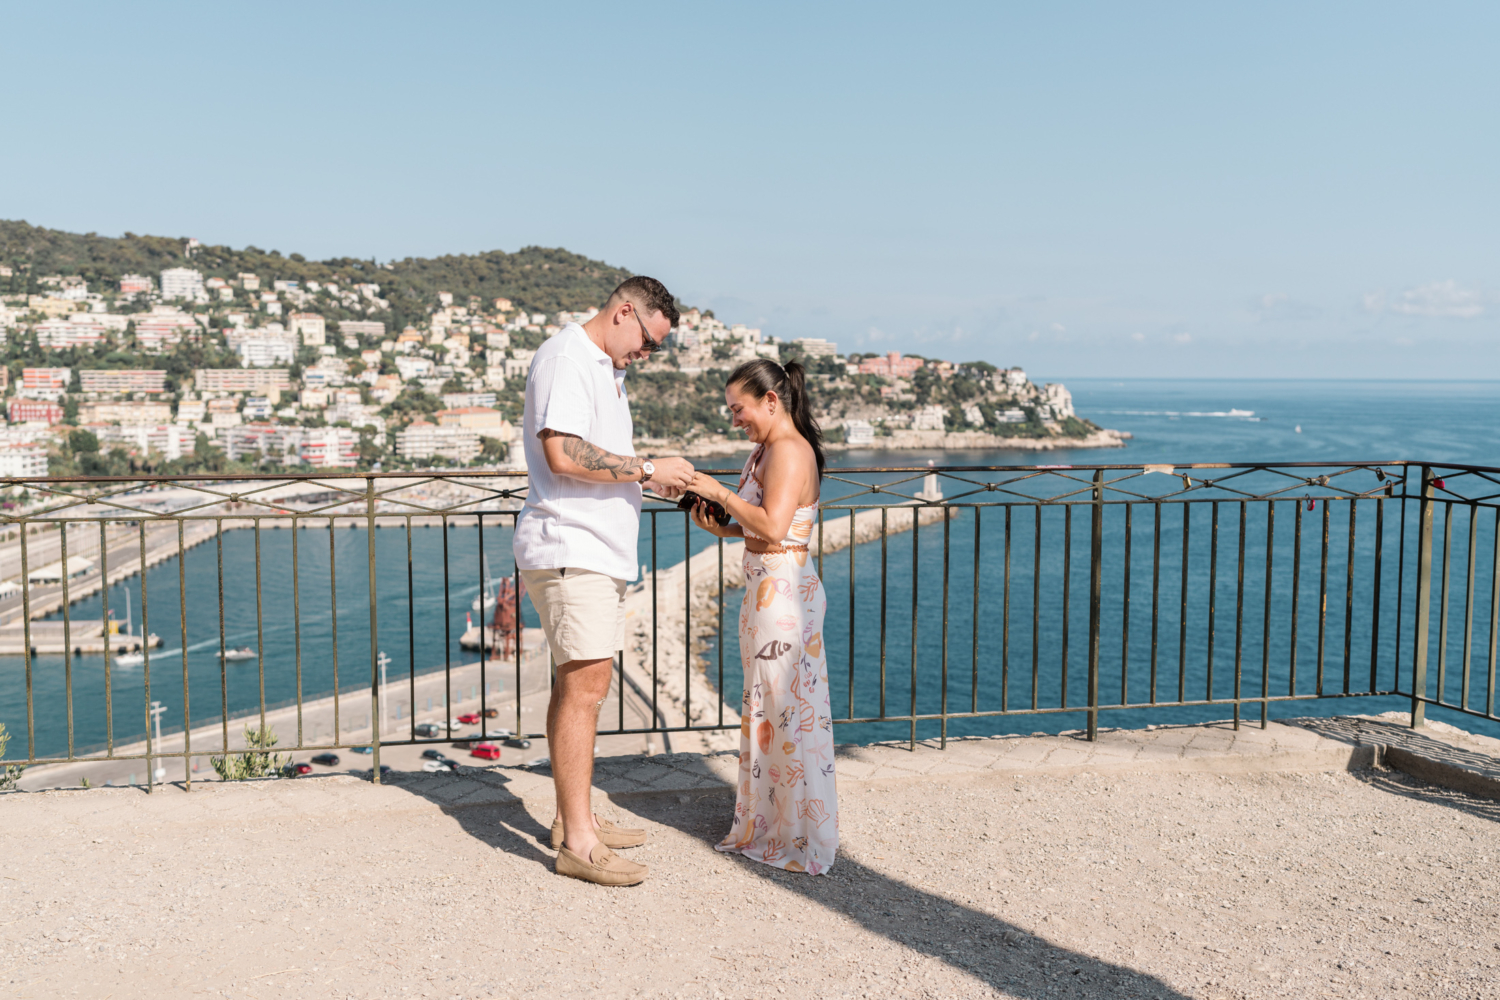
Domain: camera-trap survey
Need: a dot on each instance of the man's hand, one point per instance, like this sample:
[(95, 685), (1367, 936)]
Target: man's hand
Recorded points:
[(671, 474)]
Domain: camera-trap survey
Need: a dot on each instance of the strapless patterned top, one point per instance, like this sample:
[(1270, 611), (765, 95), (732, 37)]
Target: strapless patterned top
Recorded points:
[(753, 491)]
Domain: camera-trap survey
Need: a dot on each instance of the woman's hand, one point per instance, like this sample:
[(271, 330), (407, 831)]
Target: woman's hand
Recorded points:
[(708, 487), (708, 524)]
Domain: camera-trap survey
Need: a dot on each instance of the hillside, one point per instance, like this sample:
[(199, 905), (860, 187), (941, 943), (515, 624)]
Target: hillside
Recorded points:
[(536, 279)]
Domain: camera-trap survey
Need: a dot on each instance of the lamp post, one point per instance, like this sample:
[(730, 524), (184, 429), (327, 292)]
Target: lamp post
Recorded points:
[(157, 708), (385, 707)]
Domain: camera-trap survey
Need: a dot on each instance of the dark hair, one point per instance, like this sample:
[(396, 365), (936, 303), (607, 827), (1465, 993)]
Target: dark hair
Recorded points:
[(650, 294), (763, 375)]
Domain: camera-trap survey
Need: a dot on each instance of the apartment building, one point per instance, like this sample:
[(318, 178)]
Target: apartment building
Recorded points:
[(482, 420), (330, 447), (242, 379), (136, 284), (132, 412), (183, 283), (421, 440), (362, 328), (310, 327), (264, 352), (35, 411), (22, 461), (280, 441), (44, 383), (59, 334), (816, 347), (170, 441), (893, 365), (162, 327), (123, 380)]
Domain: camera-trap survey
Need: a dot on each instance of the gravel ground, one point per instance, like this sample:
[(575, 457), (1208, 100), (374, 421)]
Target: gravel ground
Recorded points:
[(1339, 884)]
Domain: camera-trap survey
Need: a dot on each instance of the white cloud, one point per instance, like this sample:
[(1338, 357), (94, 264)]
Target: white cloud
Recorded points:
[(1273, 307), (1441, 299), (1183, 338), (1139, 338)]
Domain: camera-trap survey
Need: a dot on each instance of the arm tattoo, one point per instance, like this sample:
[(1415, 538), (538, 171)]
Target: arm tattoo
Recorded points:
[(596, 459)]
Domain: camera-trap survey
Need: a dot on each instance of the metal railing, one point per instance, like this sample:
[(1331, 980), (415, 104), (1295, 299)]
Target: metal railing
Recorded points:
[(1078, 590)]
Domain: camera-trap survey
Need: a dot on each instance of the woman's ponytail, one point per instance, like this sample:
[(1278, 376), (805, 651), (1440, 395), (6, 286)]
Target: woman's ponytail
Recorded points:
[(763, 375)]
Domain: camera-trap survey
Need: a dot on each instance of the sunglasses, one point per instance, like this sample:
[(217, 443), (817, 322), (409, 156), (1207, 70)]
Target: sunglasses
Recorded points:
[(648, 346)]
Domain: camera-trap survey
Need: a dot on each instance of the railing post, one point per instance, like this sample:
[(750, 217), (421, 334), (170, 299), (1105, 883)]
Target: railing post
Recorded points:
[(1096, 557), (1424, 604), (374, 634)]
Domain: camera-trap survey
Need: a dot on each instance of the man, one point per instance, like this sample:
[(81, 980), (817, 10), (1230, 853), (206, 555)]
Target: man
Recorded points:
[(575, 544)]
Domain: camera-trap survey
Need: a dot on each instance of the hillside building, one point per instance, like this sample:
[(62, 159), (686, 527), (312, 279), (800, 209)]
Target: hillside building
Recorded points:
[(242, 379), (35, 411), (183, 283), (130, 412), (310, 327), (816, 347), (22, 461), (421, 440), (330, 447), (893, 365), (44, 383), (123, 380)]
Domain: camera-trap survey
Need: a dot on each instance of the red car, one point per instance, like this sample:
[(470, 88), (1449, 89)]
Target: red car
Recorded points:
[(302, 768), (469, 719), (485, 751)]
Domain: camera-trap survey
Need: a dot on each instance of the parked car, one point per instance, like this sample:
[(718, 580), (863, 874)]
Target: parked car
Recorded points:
[(301, 767), (364, 750), (485, 751), (385, 769), (492, 713), (327, 759), (428, 729), (440, 765), (434, 754), (469, 718), (463, 743)]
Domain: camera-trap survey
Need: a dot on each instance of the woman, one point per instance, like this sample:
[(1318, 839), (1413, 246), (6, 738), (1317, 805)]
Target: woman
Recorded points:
[(786, 810)]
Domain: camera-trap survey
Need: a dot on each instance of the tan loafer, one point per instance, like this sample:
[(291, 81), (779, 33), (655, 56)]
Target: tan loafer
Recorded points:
[(604, 867), (611, 836)]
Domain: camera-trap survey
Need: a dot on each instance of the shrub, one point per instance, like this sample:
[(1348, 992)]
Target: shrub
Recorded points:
[(258, 763), (9, 773)]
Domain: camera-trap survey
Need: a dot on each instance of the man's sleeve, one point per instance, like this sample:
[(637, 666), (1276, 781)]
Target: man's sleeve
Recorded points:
[(562, 399)]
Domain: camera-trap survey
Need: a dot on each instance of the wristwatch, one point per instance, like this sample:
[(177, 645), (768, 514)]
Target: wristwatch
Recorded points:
[(648, 471)]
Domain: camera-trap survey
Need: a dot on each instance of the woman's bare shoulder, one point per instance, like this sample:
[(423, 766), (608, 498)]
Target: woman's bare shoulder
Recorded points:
[(791, 458)]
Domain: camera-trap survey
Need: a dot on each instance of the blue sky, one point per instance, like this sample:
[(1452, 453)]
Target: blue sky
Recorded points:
[(1082, 189)]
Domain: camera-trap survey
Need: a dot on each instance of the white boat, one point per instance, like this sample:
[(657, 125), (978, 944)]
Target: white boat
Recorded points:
[(242, 653), (486, 599), (129, 659)]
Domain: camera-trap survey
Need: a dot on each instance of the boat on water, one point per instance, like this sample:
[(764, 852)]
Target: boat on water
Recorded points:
[(129, 659), (486, 599), (242, 653)]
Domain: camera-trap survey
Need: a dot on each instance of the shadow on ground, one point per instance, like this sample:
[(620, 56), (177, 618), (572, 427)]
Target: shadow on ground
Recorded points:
[(1419, 766), (1000, 954)]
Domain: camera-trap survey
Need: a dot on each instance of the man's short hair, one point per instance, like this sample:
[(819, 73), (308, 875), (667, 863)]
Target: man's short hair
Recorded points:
[(650, 294)]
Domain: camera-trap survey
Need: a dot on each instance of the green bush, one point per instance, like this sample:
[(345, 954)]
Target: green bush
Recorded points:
[(258, 763), (9, 773)]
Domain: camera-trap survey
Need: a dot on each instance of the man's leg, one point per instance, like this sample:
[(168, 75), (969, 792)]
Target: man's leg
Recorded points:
[(572, 724)]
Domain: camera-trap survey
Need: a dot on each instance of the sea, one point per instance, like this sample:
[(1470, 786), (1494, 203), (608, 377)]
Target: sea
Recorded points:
[(998, 637)]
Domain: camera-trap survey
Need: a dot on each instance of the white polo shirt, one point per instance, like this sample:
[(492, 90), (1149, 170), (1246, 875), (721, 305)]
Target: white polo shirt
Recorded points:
[(573, 388)]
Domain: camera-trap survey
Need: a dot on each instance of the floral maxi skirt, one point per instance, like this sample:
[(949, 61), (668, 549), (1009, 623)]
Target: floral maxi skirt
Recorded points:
[(786, 806)]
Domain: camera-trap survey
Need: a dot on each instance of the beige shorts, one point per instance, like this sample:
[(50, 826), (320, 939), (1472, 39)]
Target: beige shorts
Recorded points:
[(582, 612)]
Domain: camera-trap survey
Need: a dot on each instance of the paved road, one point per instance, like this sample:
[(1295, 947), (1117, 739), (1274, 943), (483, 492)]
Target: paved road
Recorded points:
[(351, 713)]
